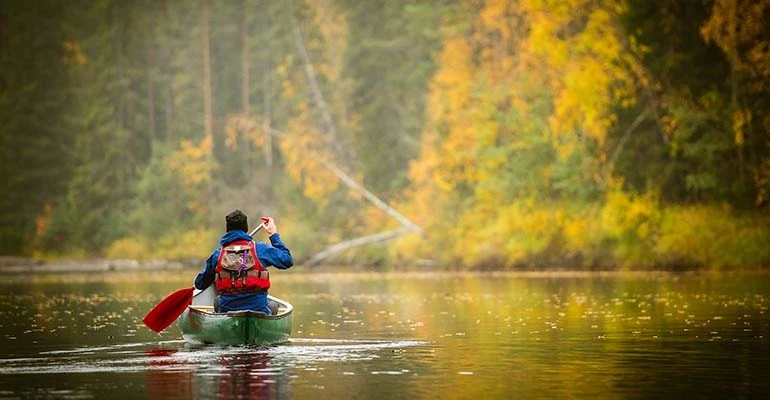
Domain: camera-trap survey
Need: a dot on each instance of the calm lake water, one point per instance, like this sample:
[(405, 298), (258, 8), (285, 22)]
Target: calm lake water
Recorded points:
[(407, 336)]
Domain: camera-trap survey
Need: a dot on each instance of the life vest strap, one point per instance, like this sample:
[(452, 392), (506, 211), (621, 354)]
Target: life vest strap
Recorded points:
[(250, 274), (241, 290)]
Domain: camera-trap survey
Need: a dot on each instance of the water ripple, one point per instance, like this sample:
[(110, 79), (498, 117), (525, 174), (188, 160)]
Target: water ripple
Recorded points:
[(138, 357)]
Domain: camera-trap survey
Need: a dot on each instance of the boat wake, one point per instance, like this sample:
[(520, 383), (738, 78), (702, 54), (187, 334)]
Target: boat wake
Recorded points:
[(177, 355)]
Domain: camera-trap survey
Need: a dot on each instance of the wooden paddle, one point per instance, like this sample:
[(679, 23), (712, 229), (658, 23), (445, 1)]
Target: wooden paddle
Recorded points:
[(170, 308)]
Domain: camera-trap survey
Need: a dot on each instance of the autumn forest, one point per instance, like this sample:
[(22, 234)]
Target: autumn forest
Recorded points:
[(582, 134)]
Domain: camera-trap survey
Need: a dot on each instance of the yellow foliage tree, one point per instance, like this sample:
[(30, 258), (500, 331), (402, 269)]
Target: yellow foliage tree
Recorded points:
[(241, 129), (192, 165), (333, 28), (304, 148), (522, 82), (306, 145), (586, 62)]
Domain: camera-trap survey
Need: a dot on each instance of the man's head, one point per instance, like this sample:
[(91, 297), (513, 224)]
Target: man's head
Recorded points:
[(237, 220)]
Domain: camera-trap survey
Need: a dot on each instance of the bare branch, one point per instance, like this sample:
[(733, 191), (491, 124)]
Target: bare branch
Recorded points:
[(352, 184), (625, 137), (315, 89), (349, 244)]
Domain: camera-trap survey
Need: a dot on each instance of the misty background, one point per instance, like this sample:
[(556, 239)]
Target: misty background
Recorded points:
[(443, 134)]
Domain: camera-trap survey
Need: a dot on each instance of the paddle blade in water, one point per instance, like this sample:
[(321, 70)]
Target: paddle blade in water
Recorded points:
[(168, 310)]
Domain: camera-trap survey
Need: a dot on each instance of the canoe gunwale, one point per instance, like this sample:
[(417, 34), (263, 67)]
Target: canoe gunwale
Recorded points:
[(287, 310), (200, 325)]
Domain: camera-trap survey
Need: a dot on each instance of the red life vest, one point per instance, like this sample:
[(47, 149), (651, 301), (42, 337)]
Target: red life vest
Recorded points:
[(239, 270)]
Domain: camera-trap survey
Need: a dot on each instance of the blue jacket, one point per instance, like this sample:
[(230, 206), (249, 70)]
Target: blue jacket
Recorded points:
[(275, 254)]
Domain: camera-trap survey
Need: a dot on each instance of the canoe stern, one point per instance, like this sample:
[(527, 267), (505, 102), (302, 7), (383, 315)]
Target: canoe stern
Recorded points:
[(200, 325)]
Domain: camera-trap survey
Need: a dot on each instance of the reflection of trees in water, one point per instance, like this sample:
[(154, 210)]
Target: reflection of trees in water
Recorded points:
[(169, 377), (241, 375), (247, 375)]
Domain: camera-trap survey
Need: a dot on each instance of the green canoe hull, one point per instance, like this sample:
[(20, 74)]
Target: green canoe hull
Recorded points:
[(201, 326)]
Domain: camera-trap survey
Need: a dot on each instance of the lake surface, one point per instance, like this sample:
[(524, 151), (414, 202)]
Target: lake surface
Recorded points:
[(411, 335)]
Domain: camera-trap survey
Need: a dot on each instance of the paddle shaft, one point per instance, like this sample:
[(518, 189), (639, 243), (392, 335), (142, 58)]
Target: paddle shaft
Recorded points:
[(254, 232)]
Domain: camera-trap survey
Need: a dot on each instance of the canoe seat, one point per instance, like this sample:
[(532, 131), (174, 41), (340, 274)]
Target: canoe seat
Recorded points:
[(210, 309), (274, 306), (245, 312)]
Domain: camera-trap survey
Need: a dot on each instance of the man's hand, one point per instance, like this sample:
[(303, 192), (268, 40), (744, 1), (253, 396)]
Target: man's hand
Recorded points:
[(269, 225)]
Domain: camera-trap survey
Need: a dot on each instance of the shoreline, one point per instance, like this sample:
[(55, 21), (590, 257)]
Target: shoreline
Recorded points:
[(20, 264), (11, 265)]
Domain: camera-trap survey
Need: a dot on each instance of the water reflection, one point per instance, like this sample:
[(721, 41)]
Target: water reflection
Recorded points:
[(239, 374), (167, 376), (246, 376), (256, 373), (384, 337)]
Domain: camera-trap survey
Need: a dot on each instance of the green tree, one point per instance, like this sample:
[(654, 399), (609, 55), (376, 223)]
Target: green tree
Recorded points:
[(36, 139), (390, 63)]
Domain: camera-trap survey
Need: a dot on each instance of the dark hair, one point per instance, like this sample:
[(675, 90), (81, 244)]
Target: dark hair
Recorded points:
[(237, 220)]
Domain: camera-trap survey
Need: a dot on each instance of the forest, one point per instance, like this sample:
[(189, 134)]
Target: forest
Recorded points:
[(583, 134)]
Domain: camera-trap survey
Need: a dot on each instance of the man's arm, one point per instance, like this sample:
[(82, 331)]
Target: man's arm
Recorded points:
[(206, 277), (275, 254)]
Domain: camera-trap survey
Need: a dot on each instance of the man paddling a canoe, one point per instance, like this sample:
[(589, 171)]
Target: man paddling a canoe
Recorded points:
[(238, 269)]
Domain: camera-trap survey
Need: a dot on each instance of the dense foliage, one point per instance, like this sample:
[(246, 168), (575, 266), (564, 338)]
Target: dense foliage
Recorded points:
[(516, 133)]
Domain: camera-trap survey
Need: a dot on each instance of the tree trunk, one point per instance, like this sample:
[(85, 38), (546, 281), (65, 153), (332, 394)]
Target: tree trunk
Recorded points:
[(408, 226), (245, 102), (349, 244), (316, 90), (352, 184), (244, 58), (207, 108), (267, 109), (734, 61), (624, 138), (169, 112), (150, 97)]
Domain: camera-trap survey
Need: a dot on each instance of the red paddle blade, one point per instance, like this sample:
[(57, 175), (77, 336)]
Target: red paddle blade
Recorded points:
[(168, 310)]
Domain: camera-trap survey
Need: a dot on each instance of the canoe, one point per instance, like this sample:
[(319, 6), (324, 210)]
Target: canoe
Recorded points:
[(201, 325)]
